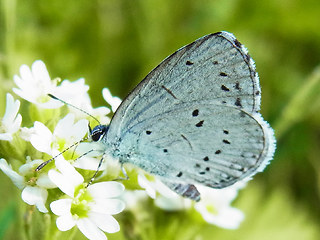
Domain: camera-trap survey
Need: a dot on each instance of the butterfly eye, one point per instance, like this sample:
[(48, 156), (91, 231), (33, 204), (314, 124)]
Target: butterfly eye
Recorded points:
[(98, 132)]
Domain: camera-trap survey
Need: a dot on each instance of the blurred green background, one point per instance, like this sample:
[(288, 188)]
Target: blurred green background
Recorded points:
[(115, 43)]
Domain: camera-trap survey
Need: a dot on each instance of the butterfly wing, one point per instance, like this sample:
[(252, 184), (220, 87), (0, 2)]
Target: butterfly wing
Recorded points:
[(217, 147), (194, 118)]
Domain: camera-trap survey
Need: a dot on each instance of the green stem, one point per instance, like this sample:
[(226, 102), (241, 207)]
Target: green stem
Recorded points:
[(28, 222)]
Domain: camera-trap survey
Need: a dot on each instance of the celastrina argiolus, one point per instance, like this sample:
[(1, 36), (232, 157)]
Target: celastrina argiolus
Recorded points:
[(194, 119)]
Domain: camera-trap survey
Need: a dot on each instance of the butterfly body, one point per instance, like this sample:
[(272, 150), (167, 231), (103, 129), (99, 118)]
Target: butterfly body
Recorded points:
[(194, 119)]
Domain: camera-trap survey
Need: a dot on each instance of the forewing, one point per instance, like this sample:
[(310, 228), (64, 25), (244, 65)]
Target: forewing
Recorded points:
[(215, 68)]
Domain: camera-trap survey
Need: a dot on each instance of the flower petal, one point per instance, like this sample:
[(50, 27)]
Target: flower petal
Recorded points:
[(65, 222), (16, 124), (176, 203), (35, 196), (90, 230), (215, 206), (106, 189), (26, 74), (69, 171), (14, 176), (61, 207), (12, 109), (41, 139), (113, 101), (40, 73), (68, 179), (29, 167), (147, 185), (34, 85), (26, 133), (227, 217), (89, 163), (62, 128), (6, 136), (45, 182), (79, 129), (62, 182), (105, 222), (107, 206)]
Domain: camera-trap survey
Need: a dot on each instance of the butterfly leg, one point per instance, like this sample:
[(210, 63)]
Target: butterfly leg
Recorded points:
[(95, 174), (123, 170)]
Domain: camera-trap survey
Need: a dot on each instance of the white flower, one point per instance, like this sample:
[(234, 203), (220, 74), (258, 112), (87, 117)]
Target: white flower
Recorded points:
[(10, 122), (164, 197), (114, 102), (215, 207), (34, 85), (34, 187), (91, 208), (26, 133), (65, 134), (133, 198)]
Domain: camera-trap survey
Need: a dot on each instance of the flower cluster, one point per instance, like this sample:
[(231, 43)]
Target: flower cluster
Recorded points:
[(61, 187)]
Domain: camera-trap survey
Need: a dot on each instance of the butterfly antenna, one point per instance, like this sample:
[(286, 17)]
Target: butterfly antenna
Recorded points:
[(69, 104), (48, 161)]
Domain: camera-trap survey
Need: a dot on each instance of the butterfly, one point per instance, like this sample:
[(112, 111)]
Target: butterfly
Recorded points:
[(194, 119)]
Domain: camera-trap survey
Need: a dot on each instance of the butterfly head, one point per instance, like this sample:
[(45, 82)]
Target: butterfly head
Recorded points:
[(98, 132)]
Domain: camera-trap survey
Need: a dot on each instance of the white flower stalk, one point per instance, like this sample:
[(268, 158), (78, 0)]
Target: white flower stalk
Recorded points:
[(11, 121), (114, 102), (91, 208), (65, 134), (35, 84), (34, 185), (215, 206)]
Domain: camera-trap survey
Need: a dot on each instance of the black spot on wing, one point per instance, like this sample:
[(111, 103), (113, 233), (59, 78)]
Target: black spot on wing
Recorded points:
[(179, 174), (237, 43), (225, 131), (226, 141), (215, 62), (247, 58), (199, 124), (224, 88), (195, 113), (148, 132), (223, 74), (218, 152), (189, 63), (238, 102), (206, 159), (237, 86)]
